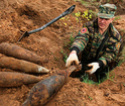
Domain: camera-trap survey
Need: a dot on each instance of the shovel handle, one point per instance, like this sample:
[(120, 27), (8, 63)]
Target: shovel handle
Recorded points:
[(68, 11)]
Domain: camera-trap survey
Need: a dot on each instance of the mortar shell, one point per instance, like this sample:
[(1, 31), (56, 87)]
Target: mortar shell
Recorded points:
[(21, 65), (44, 90), (14, 79), (21, 53)]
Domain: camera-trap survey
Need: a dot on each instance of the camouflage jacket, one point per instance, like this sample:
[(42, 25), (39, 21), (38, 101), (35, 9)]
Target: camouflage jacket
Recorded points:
[(89, 39)]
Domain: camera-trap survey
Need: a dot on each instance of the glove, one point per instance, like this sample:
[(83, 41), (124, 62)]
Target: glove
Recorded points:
[(95, 66), (72, 58)]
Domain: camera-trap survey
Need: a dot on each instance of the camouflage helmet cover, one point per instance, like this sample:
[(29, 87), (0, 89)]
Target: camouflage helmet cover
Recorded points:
[(107, 10)]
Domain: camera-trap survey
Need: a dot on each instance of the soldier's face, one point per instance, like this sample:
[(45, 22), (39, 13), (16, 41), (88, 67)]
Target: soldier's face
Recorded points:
[(104, 23)]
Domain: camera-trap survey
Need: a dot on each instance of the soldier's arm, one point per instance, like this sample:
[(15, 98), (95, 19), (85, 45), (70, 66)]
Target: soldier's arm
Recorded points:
[(111, 52), (81, 40), (78, 45)]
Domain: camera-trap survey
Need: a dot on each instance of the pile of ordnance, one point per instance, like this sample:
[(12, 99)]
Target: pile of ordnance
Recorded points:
[(17, 58), (22, 60)]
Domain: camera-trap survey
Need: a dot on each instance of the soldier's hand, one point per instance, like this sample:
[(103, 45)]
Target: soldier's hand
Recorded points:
[(94, 66), (72, 58)]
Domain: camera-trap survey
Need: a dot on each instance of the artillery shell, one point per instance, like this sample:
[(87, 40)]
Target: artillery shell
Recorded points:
[(44, 90), (14, 79), (20, 53), (22, 65)]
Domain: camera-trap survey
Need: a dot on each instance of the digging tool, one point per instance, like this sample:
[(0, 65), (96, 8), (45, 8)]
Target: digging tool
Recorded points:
[(68, 11), (44, 90)]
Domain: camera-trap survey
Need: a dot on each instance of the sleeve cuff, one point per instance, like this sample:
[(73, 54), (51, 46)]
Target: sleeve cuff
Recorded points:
[(76, 49), (101, 64)]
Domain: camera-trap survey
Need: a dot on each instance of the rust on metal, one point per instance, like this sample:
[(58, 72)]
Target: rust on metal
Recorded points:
[(14, 79), (44, 90), (21, 65), (21, 53)]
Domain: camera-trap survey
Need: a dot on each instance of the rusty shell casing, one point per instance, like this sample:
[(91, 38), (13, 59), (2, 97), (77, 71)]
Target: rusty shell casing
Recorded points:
[(21, 53), (44, 90), (14, 79), (21, 65)]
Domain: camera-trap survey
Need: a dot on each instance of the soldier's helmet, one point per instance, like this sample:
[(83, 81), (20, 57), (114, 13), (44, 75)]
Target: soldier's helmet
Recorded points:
[(107, 10)]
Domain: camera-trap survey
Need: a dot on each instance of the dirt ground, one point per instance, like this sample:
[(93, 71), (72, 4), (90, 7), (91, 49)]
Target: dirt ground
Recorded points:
[(18, 16)]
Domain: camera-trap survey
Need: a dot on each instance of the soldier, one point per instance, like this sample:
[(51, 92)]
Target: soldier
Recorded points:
[(98, 42)]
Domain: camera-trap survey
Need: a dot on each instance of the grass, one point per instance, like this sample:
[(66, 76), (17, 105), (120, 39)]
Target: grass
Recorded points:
[(90, 97), (117, 18), (65, 56), (69, 43), (83, 2), (109, 76), (85, 79), (89, 81), (88, 3), (71, 40)]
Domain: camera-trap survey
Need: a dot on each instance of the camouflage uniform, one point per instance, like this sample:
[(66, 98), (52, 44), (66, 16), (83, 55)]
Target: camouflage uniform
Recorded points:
[(107, 10), (89, 43)]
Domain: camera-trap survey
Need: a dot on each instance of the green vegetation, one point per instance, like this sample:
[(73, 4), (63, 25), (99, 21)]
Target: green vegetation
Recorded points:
[(85, 3), (117, 18), (87, 14), (67, 45), (88, 3), (90, 97), (85, 78), (64, 55), (71, 40), (88, 79), (64, 21), (110, 76)]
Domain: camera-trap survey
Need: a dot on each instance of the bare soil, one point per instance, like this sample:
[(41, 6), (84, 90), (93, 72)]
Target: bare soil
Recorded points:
[(18, 16)]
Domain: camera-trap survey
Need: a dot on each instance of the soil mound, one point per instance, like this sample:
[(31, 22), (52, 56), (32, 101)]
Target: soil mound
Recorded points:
[(52, 43)]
